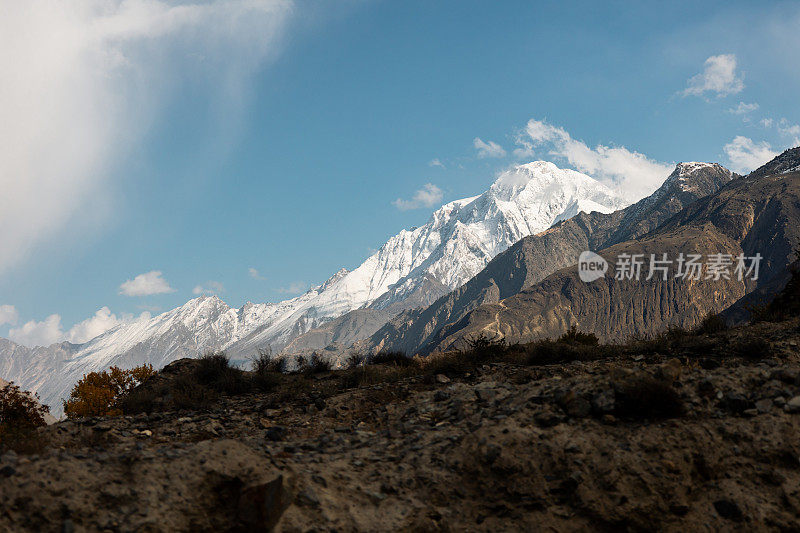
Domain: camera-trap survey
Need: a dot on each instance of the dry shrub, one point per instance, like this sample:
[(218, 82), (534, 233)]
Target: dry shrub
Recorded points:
[(20, 415), (318, 365), (483, 348), (214, 371), (96, 393), (393, 358), (573, 336), (188, 393), (267, 371), (713, 323)]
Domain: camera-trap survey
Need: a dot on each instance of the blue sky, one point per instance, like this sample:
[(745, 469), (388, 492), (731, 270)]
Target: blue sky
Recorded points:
[(202, 140)]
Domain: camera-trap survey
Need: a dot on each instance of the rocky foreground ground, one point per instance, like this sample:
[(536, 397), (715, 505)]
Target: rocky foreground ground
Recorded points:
[(699, 436)]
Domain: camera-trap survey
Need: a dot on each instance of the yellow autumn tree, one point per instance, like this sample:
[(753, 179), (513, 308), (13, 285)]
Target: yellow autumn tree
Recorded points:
[(96, 393)]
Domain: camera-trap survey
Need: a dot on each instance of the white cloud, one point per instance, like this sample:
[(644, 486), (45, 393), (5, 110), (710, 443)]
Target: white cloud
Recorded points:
[(745, 155), (719, 76), (210, 287), (8, 314), (295, 287), (488, 149), (766, 122), (435, 163), (49, 331), (145, 285), (255, 274), (633, 174), (743, 108), (428, 196), (102, 321), (83, 80), (34, 333)]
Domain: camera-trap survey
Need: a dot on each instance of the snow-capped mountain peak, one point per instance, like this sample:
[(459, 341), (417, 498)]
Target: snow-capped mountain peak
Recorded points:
[(412, 267)]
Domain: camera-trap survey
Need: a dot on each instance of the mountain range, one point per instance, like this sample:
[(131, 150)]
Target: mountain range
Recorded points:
[(412, 270), (755, 214), (501, 264)]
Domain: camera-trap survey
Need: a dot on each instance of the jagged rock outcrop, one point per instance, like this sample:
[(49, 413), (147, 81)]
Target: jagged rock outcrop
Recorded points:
[(535, 257), (757, 214)]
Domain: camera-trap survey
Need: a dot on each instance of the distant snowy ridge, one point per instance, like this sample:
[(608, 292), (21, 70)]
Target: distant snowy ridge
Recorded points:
[(456, 243)]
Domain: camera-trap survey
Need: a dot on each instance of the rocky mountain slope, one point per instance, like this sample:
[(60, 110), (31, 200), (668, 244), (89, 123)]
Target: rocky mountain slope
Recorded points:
[(686, 433), (756, 214), (535, 257), (412, 269)]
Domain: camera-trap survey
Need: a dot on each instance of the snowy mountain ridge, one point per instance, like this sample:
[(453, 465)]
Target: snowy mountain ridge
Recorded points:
[(456, 243)]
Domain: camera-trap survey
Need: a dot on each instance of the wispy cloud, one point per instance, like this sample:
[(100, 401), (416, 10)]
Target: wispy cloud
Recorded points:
[(255, 274), (209, 287), (84, 80), (428, 196), (719, 76), (50, 331), (296, 287), (146, 284), (8, 314), (633, 174), (435, 163), (745, 155), (743, 108), (488, 149), (787, 129)]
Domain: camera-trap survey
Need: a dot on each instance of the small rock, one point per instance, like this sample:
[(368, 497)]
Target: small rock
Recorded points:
[(609, 419), (603, 402), (729, 510), (10, 457), (736, 402), (260, 507), (572, 448), (679, 509), (441, 396), (793, 405), (671, 370), (750, 412), (67, 526), (486, 394), (706, 387), (491, 454), (547, 418), (307, 498), (441, 378), (376, 497), (764, 405), (275, 433), (786, 375)]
